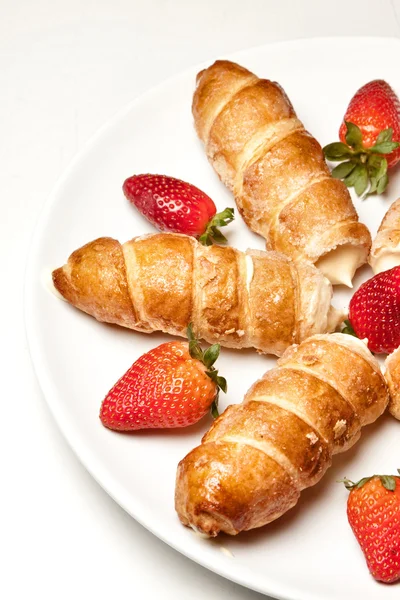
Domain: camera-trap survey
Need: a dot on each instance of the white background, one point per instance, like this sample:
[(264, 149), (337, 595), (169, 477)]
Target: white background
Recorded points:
[(66, 66)]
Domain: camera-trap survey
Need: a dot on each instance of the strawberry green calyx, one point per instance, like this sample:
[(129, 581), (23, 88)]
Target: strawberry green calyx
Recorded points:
[(208, 358), (212, 233), (388, 482), (348, 328), (365, 169)]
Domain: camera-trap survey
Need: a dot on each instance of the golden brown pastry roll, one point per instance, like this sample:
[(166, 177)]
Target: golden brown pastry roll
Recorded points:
[(276, 171), (392, 375), (385, 251), (162, 282), (259, 455)]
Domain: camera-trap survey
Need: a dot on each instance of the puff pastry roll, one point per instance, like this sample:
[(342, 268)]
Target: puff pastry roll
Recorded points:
[(392, 374), (276, 171), (259, 455), (162, 282), (385, 251)]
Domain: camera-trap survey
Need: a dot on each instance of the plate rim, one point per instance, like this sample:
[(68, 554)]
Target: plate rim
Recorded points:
[(75, 441)]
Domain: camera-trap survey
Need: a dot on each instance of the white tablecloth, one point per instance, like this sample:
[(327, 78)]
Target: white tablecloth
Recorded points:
[(66, 66)]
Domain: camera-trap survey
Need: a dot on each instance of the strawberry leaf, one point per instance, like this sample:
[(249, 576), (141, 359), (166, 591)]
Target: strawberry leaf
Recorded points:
[(385, 136), (190, 332), (337, 151), (217, 236), (361, 183), (362, 482), (208, 358), (351, 485), (384, 147), (377, 169), (375, 161), (382, 183), (347, 483), (388, 482), (382, 169), (351, 179), (223, 218), (342, 170), (222, 384), (205, 240), (353, 135), (212, 233), (220, 381), (348, 329), (373, 186), (195, 351), (214, 409), (365, 168), (211, 355)]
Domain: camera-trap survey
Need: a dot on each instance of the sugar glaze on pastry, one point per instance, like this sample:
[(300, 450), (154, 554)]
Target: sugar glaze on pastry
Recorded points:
[(259, 455), (276, 171), (162, 282)]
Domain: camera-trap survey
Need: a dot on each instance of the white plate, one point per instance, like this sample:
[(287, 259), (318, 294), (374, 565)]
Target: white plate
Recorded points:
[(310, 553)]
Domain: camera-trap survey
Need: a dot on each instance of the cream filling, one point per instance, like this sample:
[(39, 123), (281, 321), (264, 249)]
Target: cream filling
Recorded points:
[(47, 282), (336, 316), (249, 271), (340, 264), (226, 551), (385, 260), (316, 309)]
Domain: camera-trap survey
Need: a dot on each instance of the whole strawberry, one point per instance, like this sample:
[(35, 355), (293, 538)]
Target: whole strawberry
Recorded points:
[(370, 136), (374, 311), (174, 205), (373, 510), (173, 385)]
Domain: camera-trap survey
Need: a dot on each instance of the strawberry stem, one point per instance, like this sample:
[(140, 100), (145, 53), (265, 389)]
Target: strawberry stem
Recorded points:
[(214, 409), (348, 328), (212, 233), (388, 482), (208, 358), (365, 169)]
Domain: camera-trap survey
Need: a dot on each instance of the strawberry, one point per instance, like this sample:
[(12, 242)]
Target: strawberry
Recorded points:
[(370, 136), (173, 385), (174, 205), (373, 510), (374, 311)]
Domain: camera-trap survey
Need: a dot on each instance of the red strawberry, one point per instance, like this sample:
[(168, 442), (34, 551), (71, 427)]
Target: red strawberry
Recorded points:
[(375, 311), (370, 136), (174, 205), (373, 510), (374, 108), (173, 385)]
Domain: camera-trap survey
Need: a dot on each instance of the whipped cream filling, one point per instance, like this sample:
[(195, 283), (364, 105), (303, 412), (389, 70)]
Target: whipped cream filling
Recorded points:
[(385, 259), (226, 551), (336, 316), (340, 264), (316, 309), (249, 271), (47, 282)]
